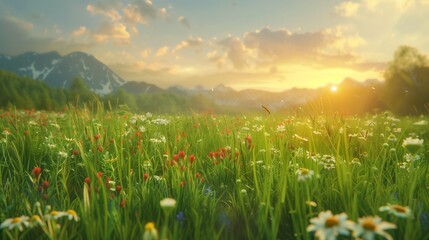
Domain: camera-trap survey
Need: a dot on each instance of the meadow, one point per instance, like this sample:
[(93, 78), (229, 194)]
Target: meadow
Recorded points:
[(91, 173)]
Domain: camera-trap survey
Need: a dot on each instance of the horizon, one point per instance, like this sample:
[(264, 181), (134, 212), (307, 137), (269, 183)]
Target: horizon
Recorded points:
[(270, 46)]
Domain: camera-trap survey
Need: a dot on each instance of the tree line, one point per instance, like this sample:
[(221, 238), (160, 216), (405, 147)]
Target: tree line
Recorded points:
[(404, 91)]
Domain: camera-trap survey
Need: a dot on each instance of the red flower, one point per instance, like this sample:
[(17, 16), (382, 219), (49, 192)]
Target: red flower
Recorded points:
[(99, 174), (175, 157), (198, 175), (75, 152), (100, 148), (88, 181), (45, 185), (118, 189), (146, 176), (182, 183), (192, 158), (36, 172), (97, 136), (182, 154)]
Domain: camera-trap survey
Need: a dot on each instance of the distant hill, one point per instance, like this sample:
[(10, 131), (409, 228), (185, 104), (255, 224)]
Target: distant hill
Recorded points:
[(59, 71)]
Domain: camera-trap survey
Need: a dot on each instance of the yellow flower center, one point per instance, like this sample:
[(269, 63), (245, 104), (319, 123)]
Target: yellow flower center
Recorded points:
[(35, 218), (368, 225), (149, 226), (71, 212), (399, 208), (16, 220), (331, 222), (54, 213), (304, 171)]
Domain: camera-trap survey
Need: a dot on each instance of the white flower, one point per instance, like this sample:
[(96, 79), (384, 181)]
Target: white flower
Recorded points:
[(368, 227), (304, 173), (397, 210), (421, 123), (412, 141), (55, 215), (62, 154), (328, 226), (71, 214), (16, 222), (168, 203), (281, 128)]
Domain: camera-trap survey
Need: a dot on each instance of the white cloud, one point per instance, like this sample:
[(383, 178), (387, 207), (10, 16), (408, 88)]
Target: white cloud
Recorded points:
[(188, 43), (235, 50), (347, 9), (162, 51), (141, 11), (17, 38), (184, 21), (107, 10), (80, 31), (112, 31)]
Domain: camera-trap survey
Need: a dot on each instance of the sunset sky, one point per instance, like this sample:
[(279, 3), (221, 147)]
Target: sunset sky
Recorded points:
[(270, 44)]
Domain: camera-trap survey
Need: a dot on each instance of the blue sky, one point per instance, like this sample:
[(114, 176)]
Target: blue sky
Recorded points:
[(272, 44)]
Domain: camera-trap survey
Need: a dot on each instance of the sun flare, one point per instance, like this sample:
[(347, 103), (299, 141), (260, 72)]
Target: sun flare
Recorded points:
[(334, 88)]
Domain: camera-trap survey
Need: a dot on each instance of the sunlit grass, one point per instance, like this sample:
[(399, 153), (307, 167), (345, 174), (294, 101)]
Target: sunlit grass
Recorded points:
[(241, 177)]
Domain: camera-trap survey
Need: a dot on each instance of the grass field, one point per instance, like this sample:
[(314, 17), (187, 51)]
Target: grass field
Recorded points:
[(96, 174)]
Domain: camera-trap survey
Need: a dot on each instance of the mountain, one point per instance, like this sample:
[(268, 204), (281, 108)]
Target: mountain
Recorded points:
[(59, 71), (134, 87), (250, 99)]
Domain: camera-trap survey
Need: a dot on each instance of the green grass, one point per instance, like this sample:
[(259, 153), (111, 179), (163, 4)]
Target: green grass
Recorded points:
[(243, 183)]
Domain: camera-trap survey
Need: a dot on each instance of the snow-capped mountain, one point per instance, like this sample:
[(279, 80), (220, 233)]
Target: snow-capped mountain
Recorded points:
[(59, 71)]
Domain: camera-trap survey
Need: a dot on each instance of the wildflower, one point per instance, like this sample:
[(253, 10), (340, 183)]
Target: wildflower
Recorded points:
[(181, 217), (45, 185), (328, 226), (412, 144), (182, 154), (16, 222), (145, 176), (304, 173), (62, 154), (75, 152), (368, 227), (168, 203), (150, 232), (36, 221), (118, 189), (192, 158), (36, 172), (88, 181), (397, 210), (55, 215), (71, 214)]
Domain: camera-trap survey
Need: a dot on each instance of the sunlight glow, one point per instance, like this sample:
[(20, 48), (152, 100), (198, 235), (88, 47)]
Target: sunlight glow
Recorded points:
[(334, 88)]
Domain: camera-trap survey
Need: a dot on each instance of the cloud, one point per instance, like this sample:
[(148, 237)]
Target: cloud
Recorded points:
[(347, 9), (80, 31), (16, 39), (106, 9), (141, 11), (162, 51), (283, 45), (115, 31), (184, 21), (265, 48), (188, 43), (236, 51)]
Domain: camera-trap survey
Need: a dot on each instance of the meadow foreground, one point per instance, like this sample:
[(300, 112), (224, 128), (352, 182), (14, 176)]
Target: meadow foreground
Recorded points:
[(97, 174)]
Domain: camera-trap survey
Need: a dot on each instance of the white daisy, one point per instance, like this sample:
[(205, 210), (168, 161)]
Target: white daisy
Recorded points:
[(328, 226), (368, 227), (304, 173), (397, 210), (16, 222)]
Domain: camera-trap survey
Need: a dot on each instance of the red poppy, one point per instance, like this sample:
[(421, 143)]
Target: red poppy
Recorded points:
[(36, 172), (146, 176)]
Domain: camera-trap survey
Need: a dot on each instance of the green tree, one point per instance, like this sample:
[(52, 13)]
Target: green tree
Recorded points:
[(407, 82)]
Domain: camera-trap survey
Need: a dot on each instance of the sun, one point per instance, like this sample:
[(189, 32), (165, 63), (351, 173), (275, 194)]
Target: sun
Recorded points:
[(334, 88)]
